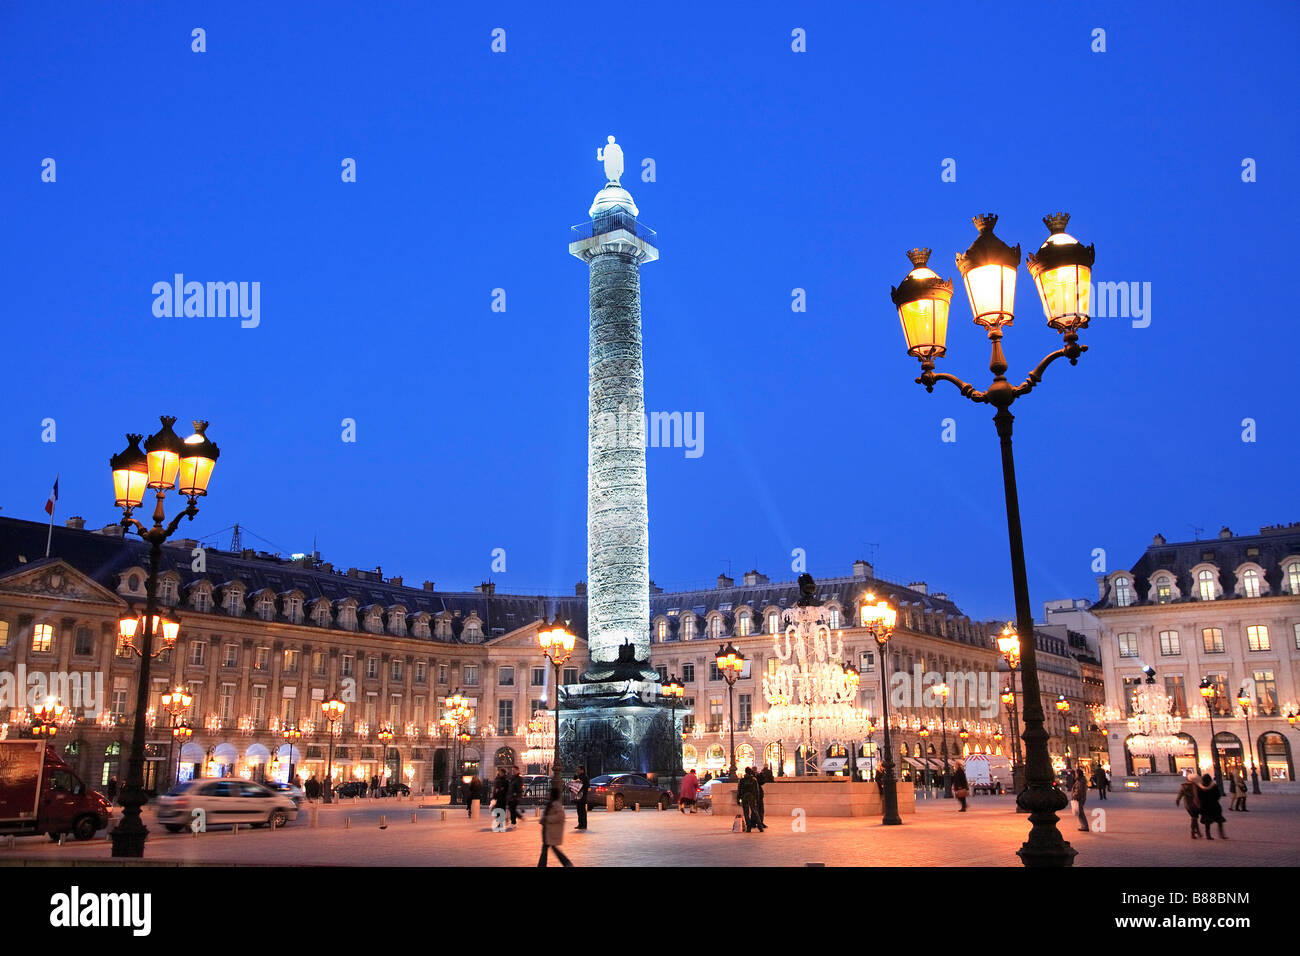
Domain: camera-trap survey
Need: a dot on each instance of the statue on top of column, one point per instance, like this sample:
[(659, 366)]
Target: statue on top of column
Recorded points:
[(612, 156)]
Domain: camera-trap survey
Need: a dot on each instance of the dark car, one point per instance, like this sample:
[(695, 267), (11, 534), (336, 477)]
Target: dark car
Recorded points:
[(351, 788), (395, 789), (627, 789)]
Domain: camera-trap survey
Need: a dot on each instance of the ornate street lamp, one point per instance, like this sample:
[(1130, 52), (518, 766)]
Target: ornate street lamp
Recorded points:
[(46, 717), (291, 737), (557, 643), (332, 710), (674, 690), (458, 710), (878, 619), (166, 462), (730, 663), (1063, 708), (181, 732), (1009, 647), (175, 702), (1061, 269), (1245, 703), (943, 691), (1074, 731)]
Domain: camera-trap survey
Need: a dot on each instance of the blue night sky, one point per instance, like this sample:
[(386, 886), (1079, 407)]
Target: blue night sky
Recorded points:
[(775, 170)]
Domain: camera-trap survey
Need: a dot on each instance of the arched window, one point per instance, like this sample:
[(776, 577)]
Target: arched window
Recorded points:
[(774, 618), (1275, 757), (834, 618), (266, 607), (661, 631), (321, 613), (1205, 584), (688, 628), (1250, 583), (1123, 592), (1293, 576), (715, 626), (743, 624)]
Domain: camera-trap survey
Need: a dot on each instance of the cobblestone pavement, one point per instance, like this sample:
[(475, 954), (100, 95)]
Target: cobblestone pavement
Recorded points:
[(1139, 830)]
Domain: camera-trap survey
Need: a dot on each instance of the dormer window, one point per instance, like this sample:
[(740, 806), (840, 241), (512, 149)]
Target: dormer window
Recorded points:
[(688, 629), (1293, 576), (743, 623), (442, 627), (773, 622), (473, 632), (234, 602), (1250, 583), (1123, 592), (375, 621), (420, 626), (348, 616), (661, 631), (321, 614), (168, 589), (265, 608), (834, 618), (201, 599), (1164, 590), (293, 608), (1205, 584), (397, 621), (715, 626)]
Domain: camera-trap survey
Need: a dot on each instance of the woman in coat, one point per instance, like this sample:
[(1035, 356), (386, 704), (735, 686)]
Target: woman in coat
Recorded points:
[(960, 787), (1189, 798), (1211, 811), (553, 828)]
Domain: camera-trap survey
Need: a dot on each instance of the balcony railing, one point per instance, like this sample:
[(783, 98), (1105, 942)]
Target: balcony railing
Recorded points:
[(611, 222)]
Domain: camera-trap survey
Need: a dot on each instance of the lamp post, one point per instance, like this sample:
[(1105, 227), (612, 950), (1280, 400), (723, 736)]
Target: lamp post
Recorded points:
[(674, 691), (175, 702), (182, 732), (1063, 708), (730, 663), (964, 734), (1074, 732), (557, 643), (291, 737), (878, 618), (923, 745), (457, 713), (1009, 646), (1244, 701), (46, 717), (853, 679), (385, 736), (333, 710), (1062, 270), (942, 690), (166, 462)]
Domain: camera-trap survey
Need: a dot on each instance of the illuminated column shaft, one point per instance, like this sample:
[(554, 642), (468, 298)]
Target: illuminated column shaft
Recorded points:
[(618, 536)]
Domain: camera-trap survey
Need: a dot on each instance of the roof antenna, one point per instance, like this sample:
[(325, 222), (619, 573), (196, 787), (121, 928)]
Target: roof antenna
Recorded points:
[(1197, 532), (236, 545)]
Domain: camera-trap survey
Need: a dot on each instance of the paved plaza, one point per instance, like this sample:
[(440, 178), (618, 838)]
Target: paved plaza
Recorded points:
[(1139, 830)]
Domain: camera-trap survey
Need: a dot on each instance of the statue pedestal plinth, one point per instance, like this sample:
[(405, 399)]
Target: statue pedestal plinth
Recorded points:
[(619, 726), (816, 797)]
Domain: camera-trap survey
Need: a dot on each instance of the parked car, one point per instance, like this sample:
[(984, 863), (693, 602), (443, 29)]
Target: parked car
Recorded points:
[(294, 793), (537, 787), (395, 789), (225, 800), (704, 799), (351, 788), (627, 789)]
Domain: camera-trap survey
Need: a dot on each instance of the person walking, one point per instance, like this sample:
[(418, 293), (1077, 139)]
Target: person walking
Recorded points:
[(1189, 797), (500, 791), (553, 828), (1242, 791), (112, 789), (473, 795), (374, 785), (584, 788), (1080, 794), (516, 794), (745, 788), (1211, 811), (758, 795), (960, 786), (688, 792), (1097, 776)]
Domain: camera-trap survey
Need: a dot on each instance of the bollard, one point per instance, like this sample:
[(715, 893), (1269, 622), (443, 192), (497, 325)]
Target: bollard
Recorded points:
[(234, 830), (347, 823), (9, 842), (413, 820), (314, 818), (383, 821), (659, 805), (444, 816), (61, 836), (636, 807), (537, 811)]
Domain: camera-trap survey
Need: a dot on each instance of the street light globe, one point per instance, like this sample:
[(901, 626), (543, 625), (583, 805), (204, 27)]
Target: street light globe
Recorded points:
[(1062, 271), (1062, 704), (1207, 688), (1009, 644), (1007, 696), (197, 462), (988, 268), (163, 450), (130, 474), (923, 300)]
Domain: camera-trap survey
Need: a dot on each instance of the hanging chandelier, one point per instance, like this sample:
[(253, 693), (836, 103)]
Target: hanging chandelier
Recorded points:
[(1153, 728)]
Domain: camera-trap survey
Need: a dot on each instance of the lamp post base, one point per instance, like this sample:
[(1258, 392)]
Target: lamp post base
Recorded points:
[(1045, 846), (891, 817), (130, 834)]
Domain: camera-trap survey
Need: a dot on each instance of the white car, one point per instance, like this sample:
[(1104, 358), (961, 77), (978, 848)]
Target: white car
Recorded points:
[(224, 801)]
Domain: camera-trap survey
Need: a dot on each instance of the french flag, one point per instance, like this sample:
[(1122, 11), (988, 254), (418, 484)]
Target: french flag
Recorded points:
[(54, 496)]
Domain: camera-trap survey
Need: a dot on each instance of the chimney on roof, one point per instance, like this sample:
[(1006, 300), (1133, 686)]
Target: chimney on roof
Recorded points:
[(725, 582), (327, 566), (487, 587), (580, 589), (655, 589), (920, 587), (396, 581), (428, 585), (1101, 587), (940, 596), (1225, 532), (352, 572), (76, 523), (862, 570), (1158, 540), (754, 579), (111, 530)]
